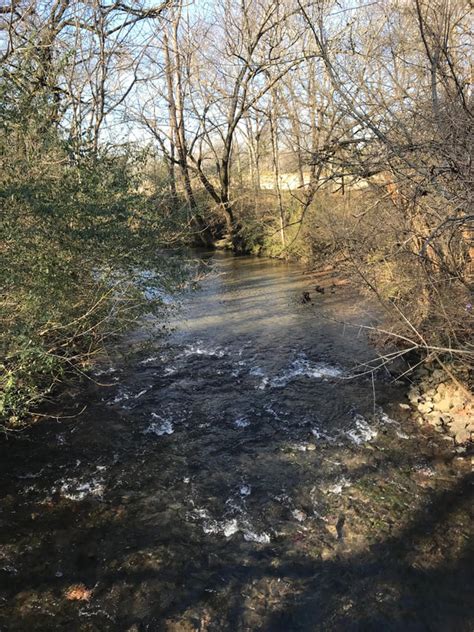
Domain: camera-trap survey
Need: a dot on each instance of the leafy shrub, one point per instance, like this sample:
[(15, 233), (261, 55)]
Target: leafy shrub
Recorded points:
[(76, 235)]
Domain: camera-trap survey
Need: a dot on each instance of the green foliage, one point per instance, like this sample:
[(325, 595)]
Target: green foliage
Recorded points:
[(76, 235)]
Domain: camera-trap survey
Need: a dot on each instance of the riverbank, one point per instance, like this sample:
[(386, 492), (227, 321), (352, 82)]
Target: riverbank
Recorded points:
[(439, 397)]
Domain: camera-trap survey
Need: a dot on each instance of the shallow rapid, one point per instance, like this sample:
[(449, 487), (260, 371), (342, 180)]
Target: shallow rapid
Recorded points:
[(238, 475)]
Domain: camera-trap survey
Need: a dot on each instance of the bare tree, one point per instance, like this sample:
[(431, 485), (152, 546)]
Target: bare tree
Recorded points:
[(413, 119)]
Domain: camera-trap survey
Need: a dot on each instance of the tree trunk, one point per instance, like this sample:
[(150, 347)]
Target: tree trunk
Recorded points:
[(276, 166)]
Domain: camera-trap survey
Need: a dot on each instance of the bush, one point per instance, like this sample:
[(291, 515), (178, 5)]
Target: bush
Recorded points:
[(76, 235)]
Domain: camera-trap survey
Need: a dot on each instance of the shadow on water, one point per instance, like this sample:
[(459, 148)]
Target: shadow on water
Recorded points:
[(153, 569), (227, 483)]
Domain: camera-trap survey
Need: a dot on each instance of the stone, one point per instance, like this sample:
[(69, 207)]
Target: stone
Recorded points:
[(441, 388), (461, 430), (434, 418), (457, 400), (444, 405), (299, 515), (425, 407)]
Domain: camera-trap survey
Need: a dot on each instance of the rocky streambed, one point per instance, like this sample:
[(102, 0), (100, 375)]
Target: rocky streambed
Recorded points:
[(237, 476)]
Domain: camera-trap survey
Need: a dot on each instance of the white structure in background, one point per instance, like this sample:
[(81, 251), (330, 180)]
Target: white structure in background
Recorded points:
[(292, 181)]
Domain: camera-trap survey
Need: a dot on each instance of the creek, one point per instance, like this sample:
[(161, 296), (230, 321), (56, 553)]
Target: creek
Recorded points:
[(236, 475)]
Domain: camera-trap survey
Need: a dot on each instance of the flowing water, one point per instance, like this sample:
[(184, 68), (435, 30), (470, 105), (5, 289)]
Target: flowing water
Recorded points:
[(237, 476)]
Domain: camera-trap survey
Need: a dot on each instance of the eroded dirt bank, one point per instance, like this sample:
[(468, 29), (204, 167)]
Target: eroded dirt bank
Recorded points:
[(237, 477)]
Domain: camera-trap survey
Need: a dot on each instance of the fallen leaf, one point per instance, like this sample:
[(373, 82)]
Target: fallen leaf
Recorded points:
[(78, 592)]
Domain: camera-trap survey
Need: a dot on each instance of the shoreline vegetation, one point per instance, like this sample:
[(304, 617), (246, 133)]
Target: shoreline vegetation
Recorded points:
[(259, 131)]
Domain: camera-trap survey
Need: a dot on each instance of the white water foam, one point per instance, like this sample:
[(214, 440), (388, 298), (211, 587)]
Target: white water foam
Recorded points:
[(303, 447), (254, 536), (160, 427), (269, 409), (299, 515), (142, 392), (241, 422), (338, 486), (77, 490), (319, 434), (209, 525), (385, 419), (104, 371), (170, 370), (229, 527), (124, 395), (226, 528), (199, 348), (362, 433), (301, 367), (121, 396), (149, 360), (92, 610)]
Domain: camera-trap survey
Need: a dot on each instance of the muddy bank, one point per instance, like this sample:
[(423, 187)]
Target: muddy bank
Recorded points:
[(235, 476)]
